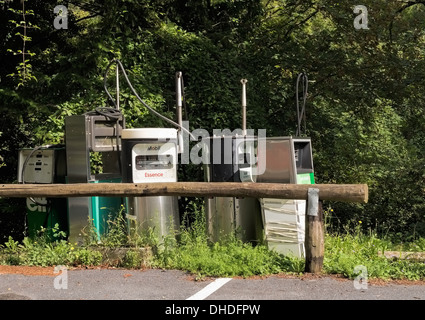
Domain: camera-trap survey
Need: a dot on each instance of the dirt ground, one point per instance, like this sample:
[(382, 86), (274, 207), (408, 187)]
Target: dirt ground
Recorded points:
[(30, 271)]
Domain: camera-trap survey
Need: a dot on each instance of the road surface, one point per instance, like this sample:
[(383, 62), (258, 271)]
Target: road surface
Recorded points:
[(172, 285)]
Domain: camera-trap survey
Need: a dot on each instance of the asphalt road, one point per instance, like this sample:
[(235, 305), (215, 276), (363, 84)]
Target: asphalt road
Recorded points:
[(104, 293), (173, 285)]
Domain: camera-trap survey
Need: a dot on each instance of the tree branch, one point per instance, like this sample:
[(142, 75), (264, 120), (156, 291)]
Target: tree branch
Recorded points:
[(294, 26), (87, 17), (407, 4)]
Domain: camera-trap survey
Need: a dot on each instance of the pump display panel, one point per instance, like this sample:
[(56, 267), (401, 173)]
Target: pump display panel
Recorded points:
[(154, 162), (149, 162)]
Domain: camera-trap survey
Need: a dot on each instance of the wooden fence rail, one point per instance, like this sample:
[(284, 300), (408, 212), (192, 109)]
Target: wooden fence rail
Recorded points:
[(334, 192), (314, 230)]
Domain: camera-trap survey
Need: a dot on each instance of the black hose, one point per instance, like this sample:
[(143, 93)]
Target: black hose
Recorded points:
[(302, 77), (110, 113), (137, 96)]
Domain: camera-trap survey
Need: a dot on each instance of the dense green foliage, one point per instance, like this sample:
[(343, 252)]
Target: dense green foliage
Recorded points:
[(365, 109)]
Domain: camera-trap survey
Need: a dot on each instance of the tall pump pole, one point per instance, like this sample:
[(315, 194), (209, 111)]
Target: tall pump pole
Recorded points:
[(244, 81), (118, 87), (179, 101)]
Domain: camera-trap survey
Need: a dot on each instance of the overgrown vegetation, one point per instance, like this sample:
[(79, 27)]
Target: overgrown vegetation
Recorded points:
[(188, 250), (191, 251), (346, 251)]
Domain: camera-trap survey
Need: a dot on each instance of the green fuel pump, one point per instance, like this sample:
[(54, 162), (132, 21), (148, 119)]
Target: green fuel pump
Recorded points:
[(43, 165)]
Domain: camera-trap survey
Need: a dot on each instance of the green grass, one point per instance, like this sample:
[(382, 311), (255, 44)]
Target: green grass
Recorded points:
[(191, 251), (344, 252), (45, 251), (228, 257)]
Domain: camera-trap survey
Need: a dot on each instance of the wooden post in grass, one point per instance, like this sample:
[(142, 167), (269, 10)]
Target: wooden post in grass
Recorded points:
[(314, 234)]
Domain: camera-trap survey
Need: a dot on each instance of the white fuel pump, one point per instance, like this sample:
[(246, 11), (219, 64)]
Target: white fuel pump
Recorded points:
[(150, 155)]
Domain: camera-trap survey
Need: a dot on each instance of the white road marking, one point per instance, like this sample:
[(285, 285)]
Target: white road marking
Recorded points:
[(209, 289)]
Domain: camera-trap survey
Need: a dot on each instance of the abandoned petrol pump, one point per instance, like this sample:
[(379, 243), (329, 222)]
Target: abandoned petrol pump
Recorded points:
[(44, 165), (151, 155), (93, 133), (232, 158), (288, 160), (280, 223)]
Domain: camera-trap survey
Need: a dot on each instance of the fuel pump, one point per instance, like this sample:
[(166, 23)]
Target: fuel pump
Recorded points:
[(150, 155), (288, 160), (232, 158), (44, 165), (93, 144), (93, 147)]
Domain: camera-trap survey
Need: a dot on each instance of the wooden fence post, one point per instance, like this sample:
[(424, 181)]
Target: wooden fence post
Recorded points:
[(314, 235)]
